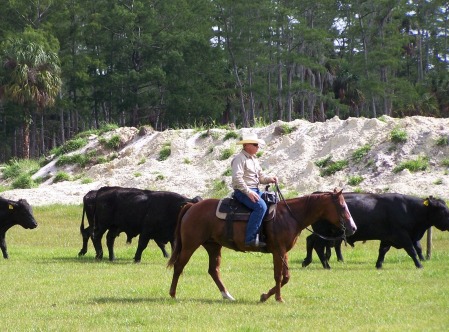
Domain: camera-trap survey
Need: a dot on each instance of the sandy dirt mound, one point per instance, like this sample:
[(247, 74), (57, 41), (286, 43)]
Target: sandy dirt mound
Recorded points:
[(197, 160)]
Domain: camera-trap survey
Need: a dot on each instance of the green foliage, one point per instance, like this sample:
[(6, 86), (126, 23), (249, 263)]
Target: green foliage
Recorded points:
[(187, 161), (230, 135), (165, 152), (445, 162), (112, 143), (137, 174), (398, 135), (23, 181), (62, 176), (219, 189), (142, 161), (82, 159), (415, 165), (227, 153), (86, 180), (324, 162), (287, 129), (227, 172), (355, 180), (361, 152), (160, 177), (107, 127), (18, 167), (330, 167), (442, 141), (438, 181), (69, 146)]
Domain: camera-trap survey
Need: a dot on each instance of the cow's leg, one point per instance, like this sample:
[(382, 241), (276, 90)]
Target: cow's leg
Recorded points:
[(418, 249), (214, 251), (281, 276), (3, 245), (96, 240), (161, 245), (143, 243), (85, 234), (410, 249), (110, 239), (338, 250), (310, 241), (320, 246), (328, 251), (383, 249)]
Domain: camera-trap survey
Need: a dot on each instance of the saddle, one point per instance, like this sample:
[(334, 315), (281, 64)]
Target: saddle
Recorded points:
[(231, 210)]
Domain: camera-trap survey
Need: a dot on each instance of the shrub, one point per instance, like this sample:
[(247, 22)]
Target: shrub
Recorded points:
[(61, 176), (324, 162), (24, 181), (355, 180), (334, 167), (17, 167), (419, 164), (230, 135), (165, 152), (81, 159), (226, 153), (442, 141), (227, 172), (398, 135), (361, 152), (445, 162), (112, 143), (69, 146), (219, 189)]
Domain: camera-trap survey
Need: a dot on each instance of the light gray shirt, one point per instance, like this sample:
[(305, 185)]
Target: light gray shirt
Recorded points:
[(247, 173)]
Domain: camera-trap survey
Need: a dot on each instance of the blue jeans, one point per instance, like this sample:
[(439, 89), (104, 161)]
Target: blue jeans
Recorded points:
[(255, 219)]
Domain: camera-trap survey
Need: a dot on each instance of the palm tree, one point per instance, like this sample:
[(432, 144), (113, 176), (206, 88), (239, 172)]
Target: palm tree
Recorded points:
[(31, 79)]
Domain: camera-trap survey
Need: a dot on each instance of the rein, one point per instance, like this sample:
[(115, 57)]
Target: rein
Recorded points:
[(328, 238)]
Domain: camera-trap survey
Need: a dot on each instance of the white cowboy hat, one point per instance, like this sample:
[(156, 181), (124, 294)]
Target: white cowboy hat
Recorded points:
[(251, 138)]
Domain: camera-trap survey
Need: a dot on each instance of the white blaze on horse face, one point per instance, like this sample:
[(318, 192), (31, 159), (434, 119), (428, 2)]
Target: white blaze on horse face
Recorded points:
[(351, 221)]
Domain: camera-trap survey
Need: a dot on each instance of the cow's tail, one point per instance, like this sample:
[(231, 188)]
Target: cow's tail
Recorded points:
[(178, 244), (82, 220)]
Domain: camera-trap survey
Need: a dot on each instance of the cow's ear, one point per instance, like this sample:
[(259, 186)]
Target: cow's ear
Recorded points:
[(426, 202)]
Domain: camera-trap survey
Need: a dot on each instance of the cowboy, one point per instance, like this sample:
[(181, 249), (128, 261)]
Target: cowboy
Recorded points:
[(246, 177)]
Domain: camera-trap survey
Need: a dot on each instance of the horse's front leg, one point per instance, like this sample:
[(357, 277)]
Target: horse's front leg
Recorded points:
[(281, 277), (214, 251)]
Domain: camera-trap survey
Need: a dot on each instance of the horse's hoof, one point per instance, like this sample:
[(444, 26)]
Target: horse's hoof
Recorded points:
[(280, 300), (263, 297), (227, 296)]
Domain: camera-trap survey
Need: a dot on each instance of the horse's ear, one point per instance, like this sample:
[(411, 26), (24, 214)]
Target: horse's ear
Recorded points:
[(338, 192)]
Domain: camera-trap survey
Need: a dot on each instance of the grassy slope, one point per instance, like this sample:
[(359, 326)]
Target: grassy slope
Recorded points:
[(46, 287)]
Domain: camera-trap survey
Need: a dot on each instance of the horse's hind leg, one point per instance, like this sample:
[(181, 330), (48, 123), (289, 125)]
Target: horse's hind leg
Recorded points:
[(281, 277), (214, 251), (178, 267)]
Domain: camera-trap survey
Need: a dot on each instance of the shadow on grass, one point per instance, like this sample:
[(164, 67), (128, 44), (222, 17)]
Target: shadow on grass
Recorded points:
[(168, 300)]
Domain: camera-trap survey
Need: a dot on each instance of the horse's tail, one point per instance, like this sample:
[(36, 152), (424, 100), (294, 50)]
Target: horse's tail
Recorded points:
[(178, 244)]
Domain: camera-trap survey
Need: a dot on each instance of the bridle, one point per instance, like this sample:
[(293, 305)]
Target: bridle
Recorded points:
[(340, 213)]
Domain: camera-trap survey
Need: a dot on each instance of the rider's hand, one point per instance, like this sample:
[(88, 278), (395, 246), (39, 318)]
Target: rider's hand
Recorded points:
[(253, 196)]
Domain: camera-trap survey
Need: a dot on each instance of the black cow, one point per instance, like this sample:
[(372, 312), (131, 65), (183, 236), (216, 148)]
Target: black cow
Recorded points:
[(396, 220), (150, 214), (89, 211), (14, 213)]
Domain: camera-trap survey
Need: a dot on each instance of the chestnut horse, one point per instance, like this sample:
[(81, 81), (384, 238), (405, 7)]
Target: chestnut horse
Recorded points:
[(199, 226)]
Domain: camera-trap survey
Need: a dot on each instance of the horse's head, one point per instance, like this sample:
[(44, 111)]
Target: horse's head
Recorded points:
[(346, 222)]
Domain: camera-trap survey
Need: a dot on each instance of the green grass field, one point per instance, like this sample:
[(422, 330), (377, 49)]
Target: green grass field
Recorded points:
[(45, 286)]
